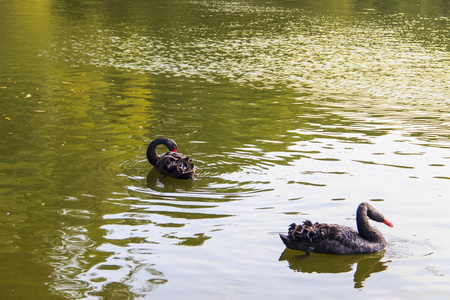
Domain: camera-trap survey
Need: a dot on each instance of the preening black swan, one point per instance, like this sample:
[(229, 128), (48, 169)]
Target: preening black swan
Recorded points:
[(339, 239), (171, 163)]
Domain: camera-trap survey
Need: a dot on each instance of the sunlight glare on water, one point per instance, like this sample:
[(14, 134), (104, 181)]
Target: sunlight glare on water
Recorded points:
[(323, 53)]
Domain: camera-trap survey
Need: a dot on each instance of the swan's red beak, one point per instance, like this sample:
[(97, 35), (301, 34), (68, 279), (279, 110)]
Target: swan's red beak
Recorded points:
[(388, 223), (175, 150)]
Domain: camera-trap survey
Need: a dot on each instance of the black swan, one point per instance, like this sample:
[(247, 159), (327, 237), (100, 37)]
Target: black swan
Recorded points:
[(339, 239), (171, 163)]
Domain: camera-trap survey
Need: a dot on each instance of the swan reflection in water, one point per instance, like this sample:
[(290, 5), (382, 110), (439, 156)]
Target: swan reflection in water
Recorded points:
[(160, 183), (328, 263)]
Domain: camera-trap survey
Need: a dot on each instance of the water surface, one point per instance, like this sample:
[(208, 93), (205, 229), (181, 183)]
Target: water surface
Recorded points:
[(291, 110)]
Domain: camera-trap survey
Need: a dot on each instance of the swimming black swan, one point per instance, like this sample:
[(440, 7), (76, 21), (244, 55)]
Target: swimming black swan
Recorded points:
[(171, 163), (339, 239)]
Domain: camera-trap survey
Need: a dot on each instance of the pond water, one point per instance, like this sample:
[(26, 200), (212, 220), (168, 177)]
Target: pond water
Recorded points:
[(290, 110)]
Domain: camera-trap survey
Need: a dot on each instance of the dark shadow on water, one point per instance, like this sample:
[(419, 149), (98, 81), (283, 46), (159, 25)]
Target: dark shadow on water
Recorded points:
[(366, 264), (161, 183)]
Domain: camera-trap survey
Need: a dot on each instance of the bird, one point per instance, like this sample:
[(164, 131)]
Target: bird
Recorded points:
[(339, 239), (171, 163)]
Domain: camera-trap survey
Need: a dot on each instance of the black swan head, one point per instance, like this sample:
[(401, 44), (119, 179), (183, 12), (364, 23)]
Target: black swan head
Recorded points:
[(339, 239), (171, 163)]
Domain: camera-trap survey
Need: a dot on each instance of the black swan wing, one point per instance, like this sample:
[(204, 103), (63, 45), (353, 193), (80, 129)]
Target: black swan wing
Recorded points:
[(175, 165), (322, 238)]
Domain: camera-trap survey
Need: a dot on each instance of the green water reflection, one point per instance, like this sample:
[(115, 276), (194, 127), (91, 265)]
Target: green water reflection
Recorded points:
[(277, 102)]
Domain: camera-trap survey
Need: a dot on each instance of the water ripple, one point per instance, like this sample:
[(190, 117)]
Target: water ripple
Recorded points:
[(366, 59)]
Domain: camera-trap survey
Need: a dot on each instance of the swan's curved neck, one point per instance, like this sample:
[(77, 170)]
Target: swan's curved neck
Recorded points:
[(365, 230), (152, 156), (362, 221)]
